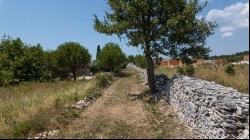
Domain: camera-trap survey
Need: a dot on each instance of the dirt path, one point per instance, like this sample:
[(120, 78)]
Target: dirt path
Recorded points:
[(115, 115)]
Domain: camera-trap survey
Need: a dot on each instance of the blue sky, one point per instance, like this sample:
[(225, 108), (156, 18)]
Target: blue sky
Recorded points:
[(52, 22)]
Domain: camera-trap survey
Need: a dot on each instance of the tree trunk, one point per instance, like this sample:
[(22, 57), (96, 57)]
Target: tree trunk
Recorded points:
[(150, 71), (74, 73)]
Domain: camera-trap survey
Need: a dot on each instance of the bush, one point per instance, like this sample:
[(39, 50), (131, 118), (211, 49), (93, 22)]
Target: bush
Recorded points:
[(181, 70), (6, 77), (103, 79), (230, 69), (189, 70)]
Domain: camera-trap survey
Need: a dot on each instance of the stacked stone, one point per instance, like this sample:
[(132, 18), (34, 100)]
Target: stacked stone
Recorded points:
[(212, 110)]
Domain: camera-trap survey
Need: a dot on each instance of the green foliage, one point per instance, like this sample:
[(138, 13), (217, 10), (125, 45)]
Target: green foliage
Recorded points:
[(140, 61), (22, 129), (131, 58), (6, 77), (95, 67), (21, 62), (31, 65), (229, 69), (103, 79), (189, 70), (111, 58), (181, 70), (73, 56), (11, 50), (50, 65)]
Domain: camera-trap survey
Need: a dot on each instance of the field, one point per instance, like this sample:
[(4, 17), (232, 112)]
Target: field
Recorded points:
[(239, 81), (31, 107)]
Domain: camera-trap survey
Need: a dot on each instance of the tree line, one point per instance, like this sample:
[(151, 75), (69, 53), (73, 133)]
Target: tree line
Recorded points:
[(22, 62), (231, 58)]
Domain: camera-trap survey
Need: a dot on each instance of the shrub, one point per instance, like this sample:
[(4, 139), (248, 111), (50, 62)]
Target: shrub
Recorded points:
[(6, 77), (189, 70), (181, 70), (230, 69), (103, 79)]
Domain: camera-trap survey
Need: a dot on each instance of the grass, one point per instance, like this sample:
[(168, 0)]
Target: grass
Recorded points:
[(32, 107), (239, 81)]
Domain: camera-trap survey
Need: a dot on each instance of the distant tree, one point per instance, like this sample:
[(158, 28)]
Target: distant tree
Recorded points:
[(72, 55), (157, 26), (98, 51), (111, 58)]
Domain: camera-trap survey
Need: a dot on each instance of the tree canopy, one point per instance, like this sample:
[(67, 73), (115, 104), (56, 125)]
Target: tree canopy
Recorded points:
[(157, 26), (111, 58), (73, 55)]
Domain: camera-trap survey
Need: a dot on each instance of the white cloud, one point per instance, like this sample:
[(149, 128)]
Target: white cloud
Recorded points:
[(226, 29), (235, 16), (227, 34)]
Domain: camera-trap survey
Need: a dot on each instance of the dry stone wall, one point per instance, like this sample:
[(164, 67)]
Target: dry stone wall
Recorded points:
[(210, 109)]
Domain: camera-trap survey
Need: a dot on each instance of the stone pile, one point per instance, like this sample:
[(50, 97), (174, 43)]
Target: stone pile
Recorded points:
[(45, 135), (210, 109)]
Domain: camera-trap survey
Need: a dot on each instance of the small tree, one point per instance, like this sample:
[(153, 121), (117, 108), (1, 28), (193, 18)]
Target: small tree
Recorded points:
[(111, 58), (157, 26), (72, 55)]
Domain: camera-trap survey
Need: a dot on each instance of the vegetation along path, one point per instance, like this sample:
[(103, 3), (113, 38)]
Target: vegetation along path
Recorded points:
[(117, 115)]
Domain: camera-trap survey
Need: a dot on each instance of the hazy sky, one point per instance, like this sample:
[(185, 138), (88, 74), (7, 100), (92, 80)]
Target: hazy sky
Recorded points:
[(52, 22)]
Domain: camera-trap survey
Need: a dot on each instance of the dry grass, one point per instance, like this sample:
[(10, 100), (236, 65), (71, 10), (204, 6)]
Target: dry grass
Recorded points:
[(31, 107), (239, 81)]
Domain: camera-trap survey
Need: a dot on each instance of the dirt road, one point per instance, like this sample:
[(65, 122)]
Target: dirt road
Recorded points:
[(117, 115)]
